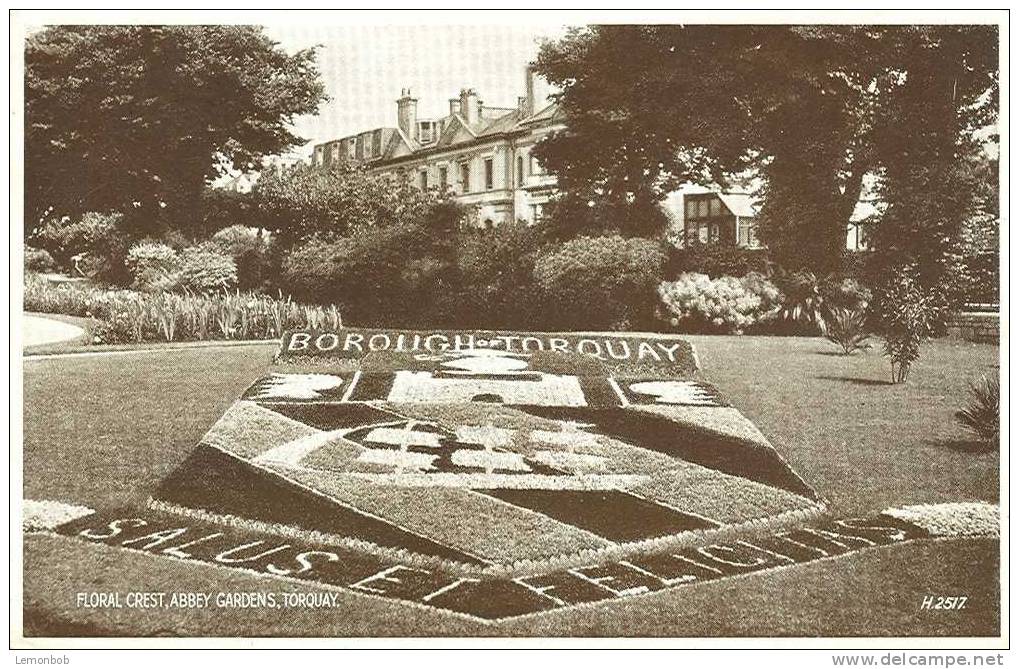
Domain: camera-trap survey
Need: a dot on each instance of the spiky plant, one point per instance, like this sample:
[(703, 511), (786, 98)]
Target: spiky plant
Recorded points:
[(847, 328), (982, 414)]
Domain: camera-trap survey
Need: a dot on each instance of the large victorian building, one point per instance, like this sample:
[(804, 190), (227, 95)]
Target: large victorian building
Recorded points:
[(482, 154)]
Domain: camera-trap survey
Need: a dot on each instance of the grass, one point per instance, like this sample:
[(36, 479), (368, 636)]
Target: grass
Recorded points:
[(104, 431), (875, 592), (861, 442)]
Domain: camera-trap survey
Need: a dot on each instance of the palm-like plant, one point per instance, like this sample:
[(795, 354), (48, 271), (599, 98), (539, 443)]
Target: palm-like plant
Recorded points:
[(983, 412), (847, 328)]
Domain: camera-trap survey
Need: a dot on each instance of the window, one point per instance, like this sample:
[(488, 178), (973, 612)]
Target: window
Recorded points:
[(716, 207), (537, 211), (744, 233), (443, 177), (350, 147), (691, 208), (426, 132), (359, 147), (465, 177), (702, 208), (424, 179), (377, 142), (489, 174), (702, 234), (520, 171), (535, 166), (714, 232)]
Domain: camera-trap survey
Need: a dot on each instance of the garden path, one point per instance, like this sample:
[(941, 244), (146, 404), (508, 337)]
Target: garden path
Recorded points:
[(37, 330)]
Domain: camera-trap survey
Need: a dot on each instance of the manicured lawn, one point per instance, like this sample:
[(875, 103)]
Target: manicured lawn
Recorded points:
[(863, 443), (105, 430)]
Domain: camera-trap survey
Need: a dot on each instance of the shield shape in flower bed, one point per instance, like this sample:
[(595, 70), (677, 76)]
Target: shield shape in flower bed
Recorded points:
[(488, 450)]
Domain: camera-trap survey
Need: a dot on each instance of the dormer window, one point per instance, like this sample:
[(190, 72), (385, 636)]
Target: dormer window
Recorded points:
[(427, 132)]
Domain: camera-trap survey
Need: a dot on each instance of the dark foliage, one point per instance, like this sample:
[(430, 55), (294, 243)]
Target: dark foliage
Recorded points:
[(716, 260), (139, 119), (600, 282), (812, 108)]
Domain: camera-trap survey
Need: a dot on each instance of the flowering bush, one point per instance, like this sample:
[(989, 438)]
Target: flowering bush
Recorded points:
[(38, 260), (725, 303), (127, 316), (154, 266)]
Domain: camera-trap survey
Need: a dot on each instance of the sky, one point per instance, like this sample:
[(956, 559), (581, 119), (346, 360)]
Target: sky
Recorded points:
[(365, 67)]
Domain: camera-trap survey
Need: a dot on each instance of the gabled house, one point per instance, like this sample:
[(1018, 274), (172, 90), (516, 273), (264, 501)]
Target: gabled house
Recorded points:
[(483, 154), (726, 217)]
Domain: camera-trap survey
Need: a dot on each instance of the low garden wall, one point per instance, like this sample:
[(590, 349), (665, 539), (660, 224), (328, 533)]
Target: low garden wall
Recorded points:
[(980, 326)]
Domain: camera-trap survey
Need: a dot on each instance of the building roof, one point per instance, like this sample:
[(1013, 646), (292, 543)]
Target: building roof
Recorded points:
[(492, 121), (740, 204)]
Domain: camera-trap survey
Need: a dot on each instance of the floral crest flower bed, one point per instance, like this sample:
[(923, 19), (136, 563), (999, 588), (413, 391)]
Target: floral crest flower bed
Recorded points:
[(488, 452)]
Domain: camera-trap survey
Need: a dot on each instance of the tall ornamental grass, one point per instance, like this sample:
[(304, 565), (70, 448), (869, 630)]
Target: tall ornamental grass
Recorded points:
[(128, 316)]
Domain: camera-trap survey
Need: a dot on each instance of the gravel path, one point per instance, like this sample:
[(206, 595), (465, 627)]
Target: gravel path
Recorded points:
[(36, 330)]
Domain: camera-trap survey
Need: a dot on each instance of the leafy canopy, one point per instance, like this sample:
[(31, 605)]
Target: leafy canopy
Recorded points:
[(139, 118), (799, 106)]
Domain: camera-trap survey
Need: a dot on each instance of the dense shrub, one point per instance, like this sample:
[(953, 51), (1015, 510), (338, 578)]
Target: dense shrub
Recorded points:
[(302, 203), (810, 303), (38, 260), (221, 209), (250, 251), (909, 315), (97, 240), (154, 266), (845, 293), (600, 282), (495, 284), (696, 302), (716, 260), (203, 270), (129, 316), (387, 276), (803, 305), (985, 282)]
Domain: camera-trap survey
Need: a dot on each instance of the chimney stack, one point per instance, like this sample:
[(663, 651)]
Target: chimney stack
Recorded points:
[(538, 91), (407, 114), (529, 101), (470, 106), (454, 106)]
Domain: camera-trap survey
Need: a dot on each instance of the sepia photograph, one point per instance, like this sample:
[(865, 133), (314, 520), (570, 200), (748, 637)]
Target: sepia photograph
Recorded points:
[(409, 327)]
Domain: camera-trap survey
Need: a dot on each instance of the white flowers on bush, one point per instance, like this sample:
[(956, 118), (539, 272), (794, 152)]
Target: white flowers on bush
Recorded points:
[(726, 302)]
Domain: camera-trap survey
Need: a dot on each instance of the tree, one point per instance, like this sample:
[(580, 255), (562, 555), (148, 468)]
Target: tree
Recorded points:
[(301, 202), (139, 119), (934, 178), (797, 105)]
